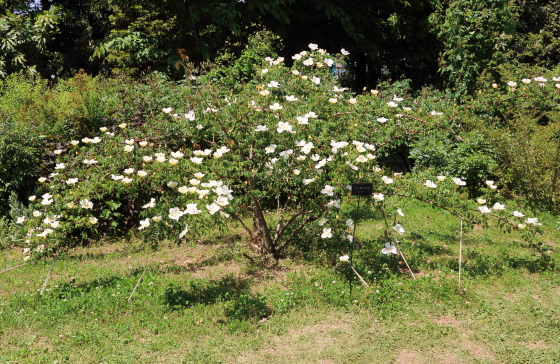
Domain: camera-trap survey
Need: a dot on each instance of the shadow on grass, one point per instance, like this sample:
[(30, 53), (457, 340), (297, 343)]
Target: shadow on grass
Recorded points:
[(240, 304), (95, 254)]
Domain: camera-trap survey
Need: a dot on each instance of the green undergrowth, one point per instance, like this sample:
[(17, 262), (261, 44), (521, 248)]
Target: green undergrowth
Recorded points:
[(212, 301)]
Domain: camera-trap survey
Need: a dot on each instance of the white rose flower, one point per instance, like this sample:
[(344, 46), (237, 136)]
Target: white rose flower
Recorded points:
[(276, 106), (192, 209), (430, 184), (86, 204), (326, 233), (144, 223), (196, 160), (213, 208), (484, 209), (399, 229), (175, 213), (284, 126)]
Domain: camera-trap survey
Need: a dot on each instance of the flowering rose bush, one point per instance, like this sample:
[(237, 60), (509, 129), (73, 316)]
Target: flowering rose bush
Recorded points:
[(292, 136), (507, 130)]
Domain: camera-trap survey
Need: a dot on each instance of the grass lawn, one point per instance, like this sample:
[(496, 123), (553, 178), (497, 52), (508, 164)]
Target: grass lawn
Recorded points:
[(209, 303)]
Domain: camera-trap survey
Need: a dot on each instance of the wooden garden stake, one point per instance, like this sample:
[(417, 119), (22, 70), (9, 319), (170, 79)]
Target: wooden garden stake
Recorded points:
[(141, 276), (17, 266), (48, 277), (405, 262), (359, 276)]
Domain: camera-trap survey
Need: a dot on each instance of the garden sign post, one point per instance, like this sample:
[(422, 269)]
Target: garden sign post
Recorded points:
[(358, 189)]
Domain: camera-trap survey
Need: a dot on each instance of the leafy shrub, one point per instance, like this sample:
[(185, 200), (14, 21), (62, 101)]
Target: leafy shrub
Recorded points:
[(218, 145), (521, 124), (20, 157)]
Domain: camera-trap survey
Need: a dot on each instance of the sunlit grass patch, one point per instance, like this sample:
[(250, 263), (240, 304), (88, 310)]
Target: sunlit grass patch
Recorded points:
[(210, 301)]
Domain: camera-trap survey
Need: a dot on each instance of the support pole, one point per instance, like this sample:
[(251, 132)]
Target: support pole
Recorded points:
[(141, 276), (352, 244), (460, 252)]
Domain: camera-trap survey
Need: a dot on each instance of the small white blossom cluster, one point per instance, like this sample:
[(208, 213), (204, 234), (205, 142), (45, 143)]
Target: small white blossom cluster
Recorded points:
[(540, 80)]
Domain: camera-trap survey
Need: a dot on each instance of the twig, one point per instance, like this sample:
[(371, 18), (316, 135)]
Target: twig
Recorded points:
[(506, 99), (297, 230), (504, 220), (360, 277), (141, 276), (7, 269), (420, 120), (405, 262), (47, 277), (342, 113), (249, 231), (281, 228)]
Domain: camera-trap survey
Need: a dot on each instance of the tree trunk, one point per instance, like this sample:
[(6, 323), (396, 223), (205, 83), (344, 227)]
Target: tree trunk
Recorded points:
[(261, 234), (361, 73)]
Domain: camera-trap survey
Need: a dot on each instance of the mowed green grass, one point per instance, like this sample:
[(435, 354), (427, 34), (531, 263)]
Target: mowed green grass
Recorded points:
[(208, 303)]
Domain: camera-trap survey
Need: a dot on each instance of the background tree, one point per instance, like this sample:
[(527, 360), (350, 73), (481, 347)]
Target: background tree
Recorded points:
[(24, 33), (82, 25), (476, 35), (537, 38)]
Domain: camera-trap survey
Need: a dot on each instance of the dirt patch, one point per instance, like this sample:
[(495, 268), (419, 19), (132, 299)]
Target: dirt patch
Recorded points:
[(219, 271), (539, 344), (475, 349), (448, 321), (408, 357), (18, 338), (448, 358), (308, 344)]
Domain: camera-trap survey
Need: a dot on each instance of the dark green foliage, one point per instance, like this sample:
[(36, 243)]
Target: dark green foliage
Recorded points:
[(475, 36), (537, 38), (20, 157)]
